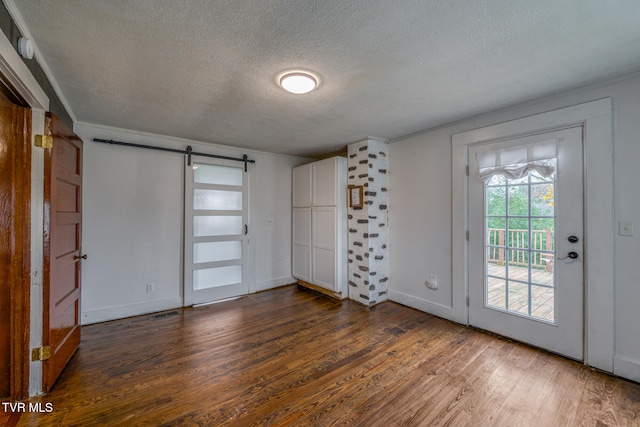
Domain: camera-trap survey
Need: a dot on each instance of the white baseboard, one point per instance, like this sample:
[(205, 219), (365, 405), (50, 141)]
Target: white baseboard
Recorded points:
[(273, 283), (626, 368), (121, 312), (113, 313), (440, 310)]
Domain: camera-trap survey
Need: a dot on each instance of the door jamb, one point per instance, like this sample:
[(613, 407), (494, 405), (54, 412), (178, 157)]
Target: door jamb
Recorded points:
[(16, 74), (596, 119), (20, 257)]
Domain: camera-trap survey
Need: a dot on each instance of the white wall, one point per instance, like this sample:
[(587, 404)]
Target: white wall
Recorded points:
[(420, 211), (420, 220), (133, 222)]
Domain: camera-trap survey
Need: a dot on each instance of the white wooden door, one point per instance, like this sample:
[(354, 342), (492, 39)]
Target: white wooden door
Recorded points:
[(216, 230), (525, 247)]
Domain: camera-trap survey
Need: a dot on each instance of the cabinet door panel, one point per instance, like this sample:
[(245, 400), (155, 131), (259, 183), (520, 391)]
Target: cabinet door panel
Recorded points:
[(323, 247), (324, 227), (324, 183), (302, 226), (302, 186), (301, 262), (324, 268), (302, 244)]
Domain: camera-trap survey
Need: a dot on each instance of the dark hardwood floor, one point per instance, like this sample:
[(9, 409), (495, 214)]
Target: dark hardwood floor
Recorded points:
[(291, 357)]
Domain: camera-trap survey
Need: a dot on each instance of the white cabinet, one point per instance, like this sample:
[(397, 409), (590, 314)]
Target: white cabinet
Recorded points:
[(320, 225)]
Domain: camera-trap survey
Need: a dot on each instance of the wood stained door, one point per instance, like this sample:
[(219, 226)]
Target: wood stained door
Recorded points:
[(15, 238), (62, 248)]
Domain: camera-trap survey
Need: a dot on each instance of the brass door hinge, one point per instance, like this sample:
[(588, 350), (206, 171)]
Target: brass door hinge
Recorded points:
[(41, 353), (43, 141)]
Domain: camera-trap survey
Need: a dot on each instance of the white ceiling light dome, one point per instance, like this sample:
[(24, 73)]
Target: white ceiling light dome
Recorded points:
[(298, 81)]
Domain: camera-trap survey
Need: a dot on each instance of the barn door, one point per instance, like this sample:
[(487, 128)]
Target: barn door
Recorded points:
[(62, 249), (216, 231)]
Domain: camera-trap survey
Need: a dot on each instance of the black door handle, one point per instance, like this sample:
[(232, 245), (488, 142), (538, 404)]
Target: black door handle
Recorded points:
[(572, 255)]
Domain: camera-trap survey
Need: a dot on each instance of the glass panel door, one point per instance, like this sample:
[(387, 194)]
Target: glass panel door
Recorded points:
[(525, 248), (215, 230)]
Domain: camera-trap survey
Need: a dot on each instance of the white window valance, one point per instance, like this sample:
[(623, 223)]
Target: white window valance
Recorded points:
[(516, 162)]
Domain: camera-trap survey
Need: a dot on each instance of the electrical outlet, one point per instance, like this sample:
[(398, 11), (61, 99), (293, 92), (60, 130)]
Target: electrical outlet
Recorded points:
[(626, 228), (432, 282), (150, 287)]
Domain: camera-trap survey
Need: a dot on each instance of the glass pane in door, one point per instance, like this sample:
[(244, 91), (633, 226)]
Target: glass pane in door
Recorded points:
[(218, 276), (216, 174), (217, 225), (217, 251), (217, 200), (519, 249)]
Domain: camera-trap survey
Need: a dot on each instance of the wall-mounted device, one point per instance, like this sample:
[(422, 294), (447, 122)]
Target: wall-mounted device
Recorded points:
[(25, 48)]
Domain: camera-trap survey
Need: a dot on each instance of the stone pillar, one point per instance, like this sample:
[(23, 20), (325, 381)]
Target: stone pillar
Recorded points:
[(368, 232)]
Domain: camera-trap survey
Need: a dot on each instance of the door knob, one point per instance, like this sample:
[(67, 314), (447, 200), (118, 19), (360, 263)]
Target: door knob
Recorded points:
[(573, 239), (572, 255), (80, 257)]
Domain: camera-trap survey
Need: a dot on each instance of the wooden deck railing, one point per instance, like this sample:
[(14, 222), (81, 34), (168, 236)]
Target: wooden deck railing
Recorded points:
[(541, 240)]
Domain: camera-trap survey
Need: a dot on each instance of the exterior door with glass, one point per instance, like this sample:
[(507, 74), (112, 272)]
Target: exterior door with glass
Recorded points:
[(526, 238), (216, 230)]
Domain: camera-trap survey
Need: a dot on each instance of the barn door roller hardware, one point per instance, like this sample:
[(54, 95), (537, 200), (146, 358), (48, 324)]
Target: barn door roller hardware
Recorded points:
[(189, 151)]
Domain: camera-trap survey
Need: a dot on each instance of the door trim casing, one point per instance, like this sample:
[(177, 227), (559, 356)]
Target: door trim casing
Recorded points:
[(17, 227), (18, 76), (596, 119)]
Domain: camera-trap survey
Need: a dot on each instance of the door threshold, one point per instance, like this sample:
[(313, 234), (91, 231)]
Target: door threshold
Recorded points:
[(202, 304)]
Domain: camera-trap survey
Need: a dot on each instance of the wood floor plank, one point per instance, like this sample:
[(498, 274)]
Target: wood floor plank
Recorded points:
[(292, 357)]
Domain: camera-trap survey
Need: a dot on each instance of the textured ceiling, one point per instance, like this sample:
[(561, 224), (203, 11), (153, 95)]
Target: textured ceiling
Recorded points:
[(206, 70)]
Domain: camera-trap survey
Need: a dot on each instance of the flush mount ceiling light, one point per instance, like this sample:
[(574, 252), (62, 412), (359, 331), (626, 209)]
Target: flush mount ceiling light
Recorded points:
[(298, 82)]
